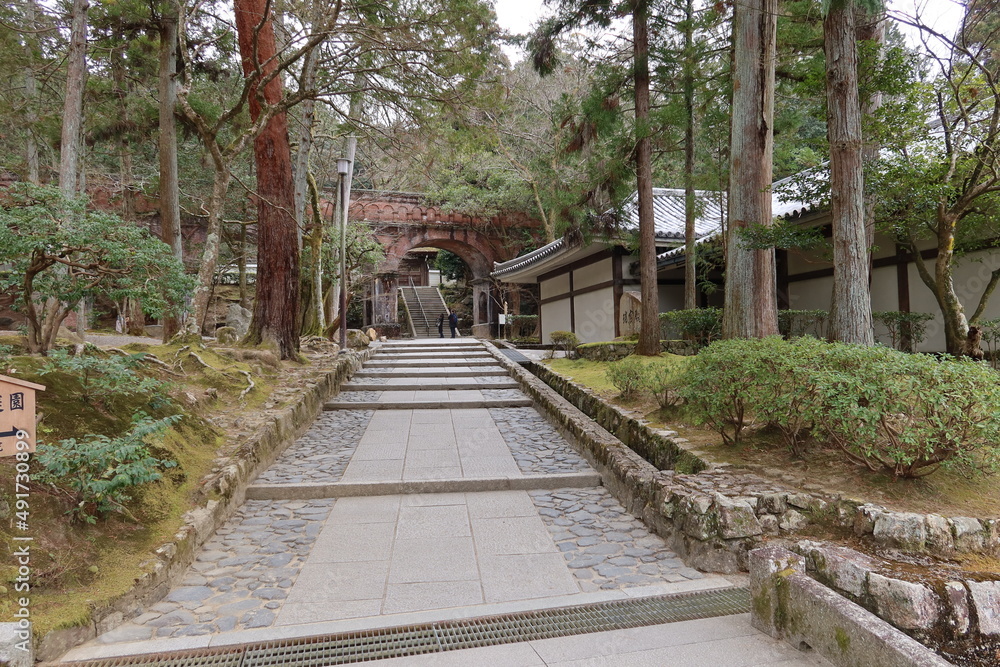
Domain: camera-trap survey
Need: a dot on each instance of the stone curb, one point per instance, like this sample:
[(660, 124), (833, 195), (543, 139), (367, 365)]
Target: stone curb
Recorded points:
[(787, 604), (345, 490), (229, 486)]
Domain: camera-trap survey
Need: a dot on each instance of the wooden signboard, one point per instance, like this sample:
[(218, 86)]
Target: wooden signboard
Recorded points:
[(17, 415)]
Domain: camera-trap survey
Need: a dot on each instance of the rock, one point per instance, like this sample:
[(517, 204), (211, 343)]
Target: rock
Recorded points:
[(372, 335), (839, 567), (357, 338), (864, 519), (109, 622), (4, 509), (769, 524), (958, 603), (986, 598), (190, 593), (699, 522), (772, 503), (238, 318), (992, 527), (906, 605), (226, 335), (803, 501), (10, 639), (736, 519), (903, 530), (969, 534), (792, 520), (939, 537)]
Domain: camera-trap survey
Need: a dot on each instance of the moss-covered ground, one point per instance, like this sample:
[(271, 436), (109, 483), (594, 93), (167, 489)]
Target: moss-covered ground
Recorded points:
[(950, 492), (77, 566)]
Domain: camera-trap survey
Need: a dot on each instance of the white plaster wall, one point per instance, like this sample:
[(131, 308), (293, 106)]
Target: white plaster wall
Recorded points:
[(594, 274), (555, 317), (595, 315), (812, 294), (554, 286)]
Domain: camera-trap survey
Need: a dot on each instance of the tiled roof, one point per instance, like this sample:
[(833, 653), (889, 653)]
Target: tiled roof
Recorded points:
[(669, 216), (501, 268)]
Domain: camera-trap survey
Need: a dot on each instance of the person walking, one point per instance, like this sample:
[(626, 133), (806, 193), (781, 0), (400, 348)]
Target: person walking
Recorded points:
[(441, 325), (453, 323)]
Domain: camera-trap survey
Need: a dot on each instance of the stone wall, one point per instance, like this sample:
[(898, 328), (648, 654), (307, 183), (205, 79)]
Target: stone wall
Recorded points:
[(615, 350), (227, 485)]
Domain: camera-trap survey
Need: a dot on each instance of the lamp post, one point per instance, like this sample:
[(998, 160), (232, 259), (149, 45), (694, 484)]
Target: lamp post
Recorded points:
[(345, 167)]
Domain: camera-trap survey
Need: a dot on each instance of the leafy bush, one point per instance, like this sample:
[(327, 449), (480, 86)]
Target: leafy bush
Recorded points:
[(565, 341), (103, 378), (906, 414), (699, 325), (661, 379), (798, 323), (523, 326), (906, 330), (909, 414), (99, 473), (628, 375)]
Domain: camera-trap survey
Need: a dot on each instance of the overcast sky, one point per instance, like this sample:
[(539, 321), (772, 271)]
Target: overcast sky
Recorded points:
[(518, 16)]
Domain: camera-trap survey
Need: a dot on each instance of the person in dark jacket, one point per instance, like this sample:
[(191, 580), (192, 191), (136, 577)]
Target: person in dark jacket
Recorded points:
[(453, 323), (441, 325)]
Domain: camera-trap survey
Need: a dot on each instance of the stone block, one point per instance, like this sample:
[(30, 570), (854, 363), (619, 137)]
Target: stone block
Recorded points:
[(992, 528), (839, 567), (969, 534), (802, 501), (958, 606), (736, 519), (865, 518), (109, 622), (792, 520), (772, 503), (769, 524), (903, 530), (939, 537), (907, 605), (15, 649), (768, 598), (986, 599)]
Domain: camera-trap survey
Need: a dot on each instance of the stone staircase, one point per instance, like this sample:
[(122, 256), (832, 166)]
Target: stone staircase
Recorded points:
[(425, 304)]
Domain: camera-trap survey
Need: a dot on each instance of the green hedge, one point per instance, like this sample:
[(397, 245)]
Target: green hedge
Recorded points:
[(906, 414)]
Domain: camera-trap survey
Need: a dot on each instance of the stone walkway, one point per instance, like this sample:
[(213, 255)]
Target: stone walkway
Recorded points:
[(340, 533)]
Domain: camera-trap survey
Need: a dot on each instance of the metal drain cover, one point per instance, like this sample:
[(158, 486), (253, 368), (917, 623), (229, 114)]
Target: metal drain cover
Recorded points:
[(403, 641)]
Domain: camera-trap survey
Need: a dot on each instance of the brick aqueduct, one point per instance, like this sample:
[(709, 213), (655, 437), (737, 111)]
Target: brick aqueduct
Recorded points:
[(404, 221)]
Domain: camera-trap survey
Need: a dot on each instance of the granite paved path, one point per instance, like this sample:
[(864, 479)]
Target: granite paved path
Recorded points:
[(292, 567)]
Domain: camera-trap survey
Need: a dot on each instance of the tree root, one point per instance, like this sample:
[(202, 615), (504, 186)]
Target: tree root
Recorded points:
[(250, 385)]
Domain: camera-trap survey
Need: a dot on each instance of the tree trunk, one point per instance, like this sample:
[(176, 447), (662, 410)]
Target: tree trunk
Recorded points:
[(210, 253), (649, 331), (870, 28), (307, 120), (31, 94), (275, 312), (690, 260), (72, 121), (751, 309), (314, 317), (851, 311), (170, 210)]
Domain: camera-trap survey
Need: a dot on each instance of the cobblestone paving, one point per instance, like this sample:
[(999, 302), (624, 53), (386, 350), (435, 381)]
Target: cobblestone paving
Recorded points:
[(503, 394), (322, 454), (240, 578), (536, 445), (604, 546)]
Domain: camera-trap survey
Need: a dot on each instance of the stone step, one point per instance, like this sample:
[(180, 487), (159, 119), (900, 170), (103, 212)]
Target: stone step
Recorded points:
[(444, 356), (306, 491), (435, 373), (428, 363), (430, 405), (435, 386), (432, 342)]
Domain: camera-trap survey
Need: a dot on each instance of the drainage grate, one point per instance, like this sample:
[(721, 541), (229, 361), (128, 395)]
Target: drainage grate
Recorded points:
[(452, 635)]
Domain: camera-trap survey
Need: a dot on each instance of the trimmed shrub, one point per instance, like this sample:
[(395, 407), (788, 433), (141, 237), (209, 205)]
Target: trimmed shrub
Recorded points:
[(628, 375), (565, 341), (699, 325), (906, 330), (661, 379)]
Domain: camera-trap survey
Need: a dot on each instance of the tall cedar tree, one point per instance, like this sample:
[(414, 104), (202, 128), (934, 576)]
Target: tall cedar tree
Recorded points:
[(751, 302), (275, 311), (851, 310)]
